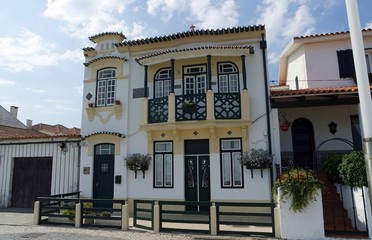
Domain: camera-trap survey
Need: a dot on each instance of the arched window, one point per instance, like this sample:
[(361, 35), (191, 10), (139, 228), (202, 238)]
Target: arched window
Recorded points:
[(228, 79), (106, 87), (162, 86)]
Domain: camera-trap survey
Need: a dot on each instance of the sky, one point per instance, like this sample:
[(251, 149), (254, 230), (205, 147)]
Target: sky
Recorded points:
[(41, 41)]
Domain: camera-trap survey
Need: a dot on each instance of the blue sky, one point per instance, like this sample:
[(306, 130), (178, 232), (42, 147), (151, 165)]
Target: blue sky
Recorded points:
[(41, 61)]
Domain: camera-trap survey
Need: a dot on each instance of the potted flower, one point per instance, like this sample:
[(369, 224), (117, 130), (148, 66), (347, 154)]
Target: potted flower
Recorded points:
[(117, 102), (299, 185), (257, 158), (189, 106), (137, 161)]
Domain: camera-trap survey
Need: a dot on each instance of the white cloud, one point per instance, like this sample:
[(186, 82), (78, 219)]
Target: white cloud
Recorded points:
[(84, 18), (27, 50), (369, 25), (165, 8), (33, 90), (285, 19), (7, 83), (214, 14)]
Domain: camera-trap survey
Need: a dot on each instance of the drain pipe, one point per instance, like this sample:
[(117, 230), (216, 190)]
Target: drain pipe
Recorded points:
[(263, 46)]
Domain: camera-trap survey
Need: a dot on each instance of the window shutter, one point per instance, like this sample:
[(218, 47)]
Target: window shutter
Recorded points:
[(346, 63)]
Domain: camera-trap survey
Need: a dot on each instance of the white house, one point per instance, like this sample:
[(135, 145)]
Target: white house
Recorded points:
[(317, 104), (194, 101)]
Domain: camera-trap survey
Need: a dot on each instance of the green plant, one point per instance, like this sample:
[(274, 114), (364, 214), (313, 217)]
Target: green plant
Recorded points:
[(330, 167), (138, 161), (353, 170), (299, 185), (257, 158)]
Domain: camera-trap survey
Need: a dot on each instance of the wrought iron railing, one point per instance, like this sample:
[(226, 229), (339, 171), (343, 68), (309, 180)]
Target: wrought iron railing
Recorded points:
[(158, 110), (227, 106), (191, 107)]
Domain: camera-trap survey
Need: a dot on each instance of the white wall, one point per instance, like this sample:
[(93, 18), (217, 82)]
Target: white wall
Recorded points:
[(65, 168), (320, 117)]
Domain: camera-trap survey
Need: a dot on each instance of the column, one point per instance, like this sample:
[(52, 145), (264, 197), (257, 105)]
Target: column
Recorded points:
[(244, 72), (145, 92), (172, 75), (209, 73)]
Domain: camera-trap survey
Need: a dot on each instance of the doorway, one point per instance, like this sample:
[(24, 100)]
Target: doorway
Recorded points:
[(103, 173), (197, 172), (303, 143)]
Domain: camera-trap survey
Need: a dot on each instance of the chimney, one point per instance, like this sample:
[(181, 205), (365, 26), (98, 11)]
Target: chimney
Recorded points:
[(29, 123), (14, 111)]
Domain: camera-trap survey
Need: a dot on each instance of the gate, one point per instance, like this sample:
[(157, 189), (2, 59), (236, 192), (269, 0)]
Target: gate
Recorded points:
[(143, 214)]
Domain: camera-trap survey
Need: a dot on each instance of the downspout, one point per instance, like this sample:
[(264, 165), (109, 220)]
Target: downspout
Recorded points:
[(263, 46)]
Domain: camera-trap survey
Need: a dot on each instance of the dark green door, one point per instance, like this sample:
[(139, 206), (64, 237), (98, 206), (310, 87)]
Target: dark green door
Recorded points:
[(197, 174), (103, 176)]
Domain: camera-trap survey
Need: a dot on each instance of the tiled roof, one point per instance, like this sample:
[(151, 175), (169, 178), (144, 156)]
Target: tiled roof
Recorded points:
[(313, 91), (56, 129), (104, 132), (87, 49), (186, 34), (330, 34), (7, 132), (250, 48), (93, 38), (103, 58)]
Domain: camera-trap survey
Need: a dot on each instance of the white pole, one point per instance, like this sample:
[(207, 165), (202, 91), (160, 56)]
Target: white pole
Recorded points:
[(363, 85)]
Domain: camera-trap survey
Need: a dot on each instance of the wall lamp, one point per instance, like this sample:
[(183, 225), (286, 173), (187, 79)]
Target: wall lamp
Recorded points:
[(332, 127)]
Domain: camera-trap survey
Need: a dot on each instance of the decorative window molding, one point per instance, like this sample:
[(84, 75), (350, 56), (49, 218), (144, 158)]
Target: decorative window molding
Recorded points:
[(231, 169)]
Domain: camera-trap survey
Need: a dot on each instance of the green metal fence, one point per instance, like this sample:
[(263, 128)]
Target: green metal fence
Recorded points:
[(245, 218), (143, 214)]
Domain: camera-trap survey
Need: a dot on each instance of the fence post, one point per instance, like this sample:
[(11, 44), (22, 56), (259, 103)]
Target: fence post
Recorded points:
[(213, 219), (37, 214), (124, 217), (78, 215), (156, 217)]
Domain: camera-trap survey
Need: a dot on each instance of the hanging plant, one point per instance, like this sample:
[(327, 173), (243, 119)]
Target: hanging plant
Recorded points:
[(299, 185), (257, 158), (137, 162)]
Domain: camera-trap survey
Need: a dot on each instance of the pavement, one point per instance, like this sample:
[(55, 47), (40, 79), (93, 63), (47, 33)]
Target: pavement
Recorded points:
[(17, 224)]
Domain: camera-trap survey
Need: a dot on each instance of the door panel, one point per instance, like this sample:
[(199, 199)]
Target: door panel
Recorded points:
[(103, 178), (31, 179), (197, 172), (303, 142)]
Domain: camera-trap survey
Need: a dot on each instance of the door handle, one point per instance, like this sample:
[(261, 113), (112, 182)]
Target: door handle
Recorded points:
[(97, 185)]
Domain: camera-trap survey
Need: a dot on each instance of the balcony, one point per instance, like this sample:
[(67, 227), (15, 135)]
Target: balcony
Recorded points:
[(206, 106)]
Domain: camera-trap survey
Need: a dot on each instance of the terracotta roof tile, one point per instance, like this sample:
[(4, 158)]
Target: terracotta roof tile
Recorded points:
[(7, 132), (250, 48), (56, 129), (310, 91), (94, 37), (103, 58), (191, 34), (329, 34)]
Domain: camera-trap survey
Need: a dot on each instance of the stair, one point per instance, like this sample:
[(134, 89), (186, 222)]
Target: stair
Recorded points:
[(334, 214)]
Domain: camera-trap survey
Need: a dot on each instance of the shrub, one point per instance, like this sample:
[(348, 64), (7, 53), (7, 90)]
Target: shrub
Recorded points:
[(299, 185), (353, 170), (138, 161), (330, 167)]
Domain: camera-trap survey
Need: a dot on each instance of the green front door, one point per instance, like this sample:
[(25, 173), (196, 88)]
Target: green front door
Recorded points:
[(197, 173), (103, 176)]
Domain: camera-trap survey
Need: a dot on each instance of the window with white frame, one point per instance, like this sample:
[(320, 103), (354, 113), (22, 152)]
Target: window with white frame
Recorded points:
[(163, 164), (106, 87), (162, 83), (228, 80), (231, 169), (195, 78)]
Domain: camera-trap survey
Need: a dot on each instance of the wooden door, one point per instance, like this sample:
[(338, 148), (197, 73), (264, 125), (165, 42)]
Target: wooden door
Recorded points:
[(31, 179), (303, 143)]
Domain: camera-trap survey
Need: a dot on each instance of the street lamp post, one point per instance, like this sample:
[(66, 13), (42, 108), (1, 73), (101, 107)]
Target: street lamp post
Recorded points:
[(363, 86)]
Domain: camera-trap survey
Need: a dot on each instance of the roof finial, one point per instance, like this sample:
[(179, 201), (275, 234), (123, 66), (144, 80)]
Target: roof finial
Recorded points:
[(192, 28)]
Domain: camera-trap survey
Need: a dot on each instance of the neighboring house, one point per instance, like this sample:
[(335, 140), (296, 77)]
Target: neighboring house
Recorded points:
[(34, 164), (10, 118), (318, 95), (194, 101), (55, 129)]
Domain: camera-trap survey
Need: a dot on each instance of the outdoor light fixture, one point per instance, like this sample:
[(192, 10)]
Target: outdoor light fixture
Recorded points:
[(63, 146), (332, 127)]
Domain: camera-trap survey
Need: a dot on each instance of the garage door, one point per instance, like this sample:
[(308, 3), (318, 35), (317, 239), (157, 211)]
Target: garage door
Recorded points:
[(31, 179)]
